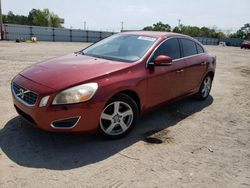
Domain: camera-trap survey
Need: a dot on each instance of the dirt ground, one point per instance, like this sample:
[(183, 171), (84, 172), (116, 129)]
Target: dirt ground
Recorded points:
[(185, 144)]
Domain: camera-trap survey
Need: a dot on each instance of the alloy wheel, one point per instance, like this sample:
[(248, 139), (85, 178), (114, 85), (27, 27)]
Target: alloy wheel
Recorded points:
[(207, 83), (116, 118)]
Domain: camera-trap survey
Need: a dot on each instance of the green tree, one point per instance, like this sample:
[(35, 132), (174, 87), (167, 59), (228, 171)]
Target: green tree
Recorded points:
[(191, 31), (54, 20), (15, 19), (177, 30), (243, 32), (199, 32), (187, 30), (40, 19), (159, 26), (148, 28), (36, 17)]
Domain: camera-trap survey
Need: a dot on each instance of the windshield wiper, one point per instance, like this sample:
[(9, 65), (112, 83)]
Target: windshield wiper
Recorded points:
[(79, 52)]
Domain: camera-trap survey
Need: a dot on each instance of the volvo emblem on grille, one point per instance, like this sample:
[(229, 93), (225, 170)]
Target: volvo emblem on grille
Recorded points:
[(21, 93)]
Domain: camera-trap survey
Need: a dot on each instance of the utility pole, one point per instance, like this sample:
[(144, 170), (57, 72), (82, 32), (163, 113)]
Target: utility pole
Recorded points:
[(179, 23), (1, 21), (85, 25), (122, 26)]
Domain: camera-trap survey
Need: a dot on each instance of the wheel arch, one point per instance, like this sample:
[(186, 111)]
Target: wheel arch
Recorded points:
[(210, 73), (132, 94)]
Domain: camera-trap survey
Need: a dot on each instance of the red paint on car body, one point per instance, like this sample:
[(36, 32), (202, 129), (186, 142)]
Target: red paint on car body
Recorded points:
[(153, 85)]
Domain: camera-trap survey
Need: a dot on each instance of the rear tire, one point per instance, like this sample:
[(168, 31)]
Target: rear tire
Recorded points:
[(118, 117), (205, 88)]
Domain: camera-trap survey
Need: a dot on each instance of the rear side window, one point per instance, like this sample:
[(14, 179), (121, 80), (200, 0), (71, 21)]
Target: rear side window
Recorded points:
[(189, 47), (169, 48), (200, 50)]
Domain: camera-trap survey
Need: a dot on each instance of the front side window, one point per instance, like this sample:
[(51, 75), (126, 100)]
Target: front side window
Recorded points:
[(169, 48), (189, 47), (128, 48)]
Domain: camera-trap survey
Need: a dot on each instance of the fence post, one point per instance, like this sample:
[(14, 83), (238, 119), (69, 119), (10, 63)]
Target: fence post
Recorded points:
[(5, 32), (53, 34), (31, 32), (87, 32), (70, 35)]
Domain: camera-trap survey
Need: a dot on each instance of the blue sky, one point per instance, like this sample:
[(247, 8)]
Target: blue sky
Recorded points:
[(108, 14)]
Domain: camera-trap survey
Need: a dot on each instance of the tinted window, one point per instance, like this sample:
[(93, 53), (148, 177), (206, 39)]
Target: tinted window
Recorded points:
[(189, 47), (169, 48), (199, 49)]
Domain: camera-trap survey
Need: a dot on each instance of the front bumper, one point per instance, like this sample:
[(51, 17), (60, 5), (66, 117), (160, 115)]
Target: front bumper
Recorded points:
[(87, 113)]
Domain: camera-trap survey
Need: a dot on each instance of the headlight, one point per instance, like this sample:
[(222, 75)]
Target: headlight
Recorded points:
[(76, 94)]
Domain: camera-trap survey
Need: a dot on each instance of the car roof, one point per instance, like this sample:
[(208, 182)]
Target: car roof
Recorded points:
[(156, 34)]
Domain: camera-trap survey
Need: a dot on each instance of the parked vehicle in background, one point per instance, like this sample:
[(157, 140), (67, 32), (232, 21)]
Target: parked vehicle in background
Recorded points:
[(222, 44), (106, 86), (245, 44)]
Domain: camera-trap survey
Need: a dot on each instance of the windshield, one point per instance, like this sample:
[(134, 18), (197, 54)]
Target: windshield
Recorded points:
[(128, 48)]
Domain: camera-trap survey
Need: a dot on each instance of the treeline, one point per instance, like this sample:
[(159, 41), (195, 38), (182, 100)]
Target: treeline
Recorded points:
[(199, 32), (194, 31), (36, 17)]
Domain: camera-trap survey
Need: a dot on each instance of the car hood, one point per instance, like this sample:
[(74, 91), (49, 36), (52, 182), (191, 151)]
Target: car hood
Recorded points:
[(69, 70)]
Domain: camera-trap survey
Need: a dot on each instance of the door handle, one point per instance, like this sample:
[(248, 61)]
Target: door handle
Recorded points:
[(179, 71), (204, 63)]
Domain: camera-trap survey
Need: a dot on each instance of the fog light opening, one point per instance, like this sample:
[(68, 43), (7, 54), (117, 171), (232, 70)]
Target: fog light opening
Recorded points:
[(68, 123)]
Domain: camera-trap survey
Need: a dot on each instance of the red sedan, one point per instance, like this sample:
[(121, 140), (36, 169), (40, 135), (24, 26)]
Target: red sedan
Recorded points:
[(106, 86), (245, 44)]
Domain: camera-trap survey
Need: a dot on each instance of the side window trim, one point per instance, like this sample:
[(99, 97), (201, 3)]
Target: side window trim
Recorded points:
[(181, 49), (196, 46)]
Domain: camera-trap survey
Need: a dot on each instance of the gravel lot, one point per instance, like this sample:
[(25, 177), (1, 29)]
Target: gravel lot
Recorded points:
[(200, 144)]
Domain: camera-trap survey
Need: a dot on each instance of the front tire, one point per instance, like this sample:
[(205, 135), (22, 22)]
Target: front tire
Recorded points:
[(118, 117), (205, 88)]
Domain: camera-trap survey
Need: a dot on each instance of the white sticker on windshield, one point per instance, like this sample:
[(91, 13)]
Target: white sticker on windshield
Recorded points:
[(147, 38)]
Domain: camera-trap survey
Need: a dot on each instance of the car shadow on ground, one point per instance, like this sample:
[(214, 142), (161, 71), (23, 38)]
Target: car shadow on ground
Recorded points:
[(31, 147)]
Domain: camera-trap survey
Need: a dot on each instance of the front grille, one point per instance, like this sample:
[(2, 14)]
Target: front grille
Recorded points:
[(24, 95)]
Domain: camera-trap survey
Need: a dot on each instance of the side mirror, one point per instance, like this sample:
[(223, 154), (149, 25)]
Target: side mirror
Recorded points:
[(163, 60)]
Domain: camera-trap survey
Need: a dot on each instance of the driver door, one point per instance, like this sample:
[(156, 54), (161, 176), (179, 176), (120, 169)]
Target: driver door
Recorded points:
[(165, 82)]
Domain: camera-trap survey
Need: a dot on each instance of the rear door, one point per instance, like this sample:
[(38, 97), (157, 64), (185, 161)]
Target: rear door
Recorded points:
[(196, 63), (165, 82)]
